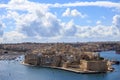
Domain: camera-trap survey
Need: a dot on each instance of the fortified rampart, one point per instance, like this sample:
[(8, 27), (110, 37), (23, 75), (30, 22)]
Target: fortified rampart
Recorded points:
[(67, 57)]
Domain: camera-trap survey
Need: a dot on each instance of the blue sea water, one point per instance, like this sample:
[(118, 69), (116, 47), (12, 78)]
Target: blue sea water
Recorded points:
[(14, 70)]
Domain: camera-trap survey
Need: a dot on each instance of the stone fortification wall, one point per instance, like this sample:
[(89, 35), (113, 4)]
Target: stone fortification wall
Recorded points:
[(100, 66)]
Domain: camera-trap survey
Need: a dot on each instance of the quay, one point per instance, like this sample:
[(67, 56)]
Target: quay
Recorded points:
[(78, 71)]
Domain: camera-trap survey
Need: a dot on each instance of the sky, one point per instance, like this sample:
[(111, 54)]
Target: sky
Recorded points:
[(59, 21)]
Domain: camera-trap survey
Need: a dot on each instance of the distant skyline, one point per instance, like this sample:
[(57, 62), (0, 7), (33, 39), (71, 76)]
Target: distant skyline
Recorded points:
[(59, 20)]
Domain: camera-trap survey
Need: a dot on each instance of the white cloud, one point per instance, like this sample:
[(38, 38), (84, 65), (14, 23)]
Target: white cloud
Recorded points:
[(1, 39), (25, 4), (38, 23), (2, 26), (103, 17), (67, 12), (99, 31), (98, 22), (13, 36), (77, 13), (73, 13), (107, 4), (10, 15), (17, 1), (69, 29), (116, 21), (1, 32), (43, 25)]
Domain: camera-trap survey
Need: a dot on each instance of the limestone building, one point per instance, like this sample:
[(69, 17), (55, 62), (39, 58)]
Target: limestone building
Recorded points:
[(99, 66), (68, 57)]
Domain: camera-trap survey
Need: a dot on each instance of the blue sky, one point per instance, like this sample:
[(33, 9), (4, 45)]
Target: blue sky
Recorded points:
[(59, 20)]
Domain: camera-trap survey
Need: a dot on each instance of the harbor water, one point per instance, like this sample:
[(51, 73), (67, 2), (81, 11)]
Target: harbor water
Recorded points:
[(14, 70)]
